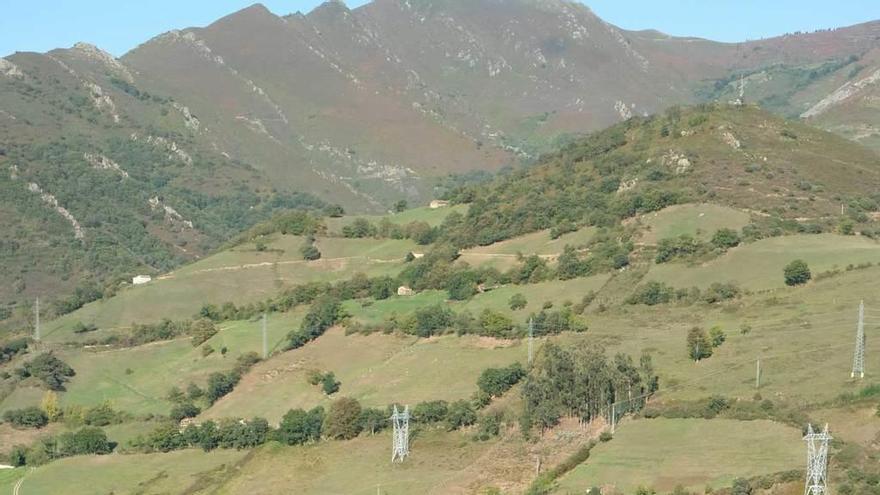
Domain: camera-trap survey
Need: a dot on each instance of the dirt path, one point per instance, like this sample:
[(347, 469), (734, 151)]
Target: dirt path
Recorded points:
[(264, 264)]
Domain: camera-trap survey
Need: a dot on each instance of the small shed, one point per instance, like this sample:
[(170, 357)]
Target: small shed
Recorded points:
[(141, 280), (405, 291), (438, 203)]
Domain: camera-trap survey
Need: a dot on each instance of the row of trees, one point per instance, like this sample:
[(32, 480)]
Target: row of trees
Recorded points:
[(86, 440), (580, 381)]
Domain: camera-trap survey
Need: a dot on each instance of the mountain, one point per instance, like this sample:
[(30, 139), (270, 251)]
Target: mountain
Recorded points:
[(137, 164)]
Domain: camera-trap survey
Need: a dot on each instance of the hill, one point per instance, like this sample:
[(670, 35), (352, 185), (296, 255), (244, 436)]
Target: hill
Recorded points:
[(138, 164)]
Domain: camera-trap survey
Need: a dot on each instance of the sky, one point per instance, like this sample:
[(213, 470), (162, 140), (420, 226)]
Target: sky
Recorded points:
[(119, 25)]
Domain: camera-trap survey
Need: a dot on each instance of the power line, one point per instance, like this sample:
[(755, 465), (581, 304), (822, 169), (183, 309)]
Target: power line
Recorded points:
[(859, 355)]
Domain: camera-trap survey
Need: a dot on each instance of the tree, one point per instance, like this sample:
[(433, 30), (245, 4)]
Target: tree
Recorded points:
[(373, 420), (220, 384), (49, 369), (382, 288), (202, 330), (569, 266), (101, 415), (517, 301), (495, 324), (298, 426), (87, 440), (716, 335), (18, 456), (310, 252), (342, 421), (741, 487), (461, 413), (496, 381), (329, 384), (698, 344), (49, 405), (797, 273), (431, 411), (184, 410), (462, 285), (400, 206), (725, 239)]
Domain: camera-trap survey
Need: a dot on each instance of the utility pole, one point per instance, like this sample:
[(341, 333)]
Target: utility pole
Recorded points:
[(758, 374), (613, 416), (265, 340), (817, 461), (858, 367), (531, 339), (37, 320)]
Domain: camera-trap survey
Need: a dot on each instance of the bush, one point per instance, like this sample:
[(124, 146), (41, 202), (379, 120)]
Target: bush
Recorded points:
[(716, 335), (680, 247), (489, 426), (725, 239), (329, 384), (517, 301), (310, 252), (202, 330), (495, 324), (184, 410), (220, 384), (80, 327), (373, 420), (797, 273), (651, 294), (460, 414), (718, 292), (28, 417), (324, 313), (101, 415), (343, 419), (49, 369), (496, 381), (430, 320), (87, 440), (298, 427), (431, 412)]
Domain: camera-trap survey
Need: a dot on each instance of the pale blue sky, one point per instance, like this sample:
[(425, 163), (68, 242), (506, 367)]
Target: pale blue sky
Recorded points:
[(118, 26)]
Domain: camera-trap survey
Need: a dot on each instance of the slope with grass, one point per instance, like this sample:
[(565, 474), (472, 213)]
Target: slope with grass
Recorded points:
[(376, 369), (694, 453), (700, 221), (759, 265)]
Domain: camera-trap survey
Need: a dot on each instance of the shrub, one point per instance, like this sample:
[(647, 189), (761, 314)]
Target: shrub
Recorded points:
[(460, 414), (680, 247), (431, 411), (431, 320), (718, 292), (87, 440), (28, 417), (49, 369), (797, 273), (716, 335), (298, 426), (517, 301), (310, 252), (496, 381), (220, 384), (101, 415), (202, 330), (80, 327), (488, 426), (725, 239), (373, 420), (343, 419), (495, 324), (651, 294), (184, 410), (329, 384)]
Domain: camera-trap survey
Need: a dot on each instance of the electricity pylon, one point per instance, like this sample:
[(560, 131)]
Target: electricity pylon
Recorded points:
[(400, 438), (817, 461), (859, 356)]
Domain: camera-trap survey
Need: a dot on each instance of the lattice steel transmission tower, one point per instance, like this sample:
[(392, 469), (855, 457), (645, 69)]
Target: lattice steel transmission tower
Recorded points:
[(817, 461), (858, 368), (400, 441)]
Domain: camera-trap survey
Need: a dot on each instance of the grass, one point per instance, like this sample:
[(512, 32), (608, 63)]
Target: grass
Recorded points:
[(433, 217), (241, 275), (376, 369), (359, 466), (498, 300), (175, 472), (698, 220), (155, 368), (759, 265), (695, 453), (503, 255)]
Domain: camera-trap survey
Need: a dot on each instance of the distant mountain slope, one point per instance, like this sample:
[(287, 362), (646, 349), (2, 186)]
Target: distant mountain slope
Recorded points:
[(114, 166)]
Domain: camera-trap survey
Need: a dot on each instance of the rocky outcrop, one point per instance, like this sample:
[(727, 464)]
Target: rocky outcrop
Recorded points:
[(101, 162), (10, 70), (51, 201), (171, 215)]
